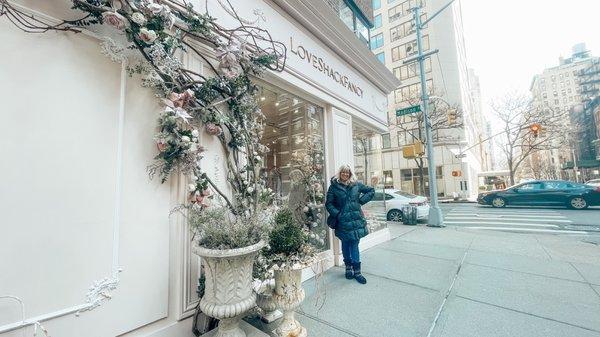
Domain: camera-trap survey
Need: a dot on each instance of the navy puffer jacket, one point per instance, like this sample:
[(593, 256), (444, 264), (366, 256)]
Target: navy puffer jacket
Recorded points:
[(343, 204)]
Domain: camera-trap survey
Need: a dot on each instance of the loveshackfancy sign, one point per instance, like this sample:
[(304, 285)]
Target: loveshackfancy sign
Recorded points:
[(323, 67)]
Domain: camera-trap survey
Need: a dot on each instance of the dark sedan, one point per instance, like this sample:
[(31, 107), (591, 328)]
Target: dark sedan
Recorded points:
[(544, 193)]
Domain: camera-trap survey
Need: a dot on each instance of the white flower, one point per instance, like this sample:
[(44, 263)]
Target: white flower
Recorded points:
[(185, 139), (193, 147), (195, 133), (147, 35), (155, 8), (193, 177), (250, 189), (139, 18), (192, 187)]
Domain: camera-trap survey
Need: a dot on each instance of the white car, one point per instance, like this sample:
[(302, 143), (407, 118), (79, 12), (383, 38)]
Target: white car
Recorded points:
[(594, 182), (394, 201)]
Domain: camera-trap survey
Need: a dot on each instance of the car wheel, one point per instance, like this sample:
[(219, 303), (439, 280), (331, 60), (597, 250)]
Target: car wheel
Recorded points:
[(394, 215), (577, 203), (498, 202)]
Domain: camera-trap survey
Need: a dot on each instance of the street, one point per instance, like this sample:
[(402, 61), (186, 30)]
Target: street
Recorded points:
[(522, 219)]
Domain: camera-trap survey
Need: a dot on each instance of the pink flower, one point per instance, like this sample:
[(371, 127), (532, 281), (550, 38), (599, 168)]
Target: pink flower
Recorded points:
[(161, 145), (183, 99), (206, 192), (213, 129), (147, 35), (115, 19)]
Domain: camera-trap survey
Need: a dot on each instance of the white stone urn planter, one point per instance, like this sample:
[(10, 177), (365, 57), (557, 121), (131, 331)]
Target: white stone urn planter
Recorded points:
[(266, 303), (228, 292), (288, 295)]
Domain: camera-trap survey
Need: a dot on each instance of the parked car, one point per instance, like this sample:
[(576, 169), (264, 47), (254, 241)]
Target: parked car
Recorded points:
[(544, 193), (394, 200), (594, 182)]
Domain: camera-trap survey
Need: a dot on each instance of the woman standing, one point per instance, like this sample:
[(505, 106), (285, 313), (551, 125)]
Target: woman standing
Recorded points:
[(344, 198)]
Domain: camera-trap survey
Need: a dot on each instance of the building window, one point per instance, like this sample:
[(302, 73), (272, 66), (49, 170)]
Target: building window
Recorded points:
[(377, 21), (376, 4), (385, 141), (403, 9), (410, 92), (381, 57), (411, 70), (377, 41), (410, 48)]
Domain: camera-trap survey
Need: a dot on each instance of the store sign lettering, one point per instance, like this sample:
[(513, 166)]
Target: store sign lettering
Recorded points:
[(319, 64)]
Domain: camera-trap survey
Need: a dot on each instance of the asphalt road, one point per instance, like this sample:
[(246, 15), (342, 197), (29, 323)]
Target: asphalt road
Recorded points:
[(554, 220)]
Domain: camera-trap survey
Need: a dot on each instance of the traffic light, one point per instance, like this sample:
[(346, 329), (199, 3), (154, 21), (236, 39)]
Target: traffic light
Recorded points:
[(452, 115), (535, 129)]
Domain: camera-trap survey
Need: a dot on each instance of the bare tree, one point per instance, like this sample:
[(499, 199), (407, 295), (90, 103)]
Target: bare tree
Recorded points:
[(414, 126), (516, 115)]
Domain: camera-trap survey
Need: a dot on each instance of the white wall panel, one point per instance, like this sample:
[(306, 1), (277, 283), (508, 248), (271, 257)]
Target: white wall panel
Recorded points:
[(61, 195)]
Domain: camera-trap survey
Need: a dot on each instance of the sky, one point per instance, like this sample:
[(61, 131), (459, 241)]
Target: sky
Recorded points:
[(509, 41)]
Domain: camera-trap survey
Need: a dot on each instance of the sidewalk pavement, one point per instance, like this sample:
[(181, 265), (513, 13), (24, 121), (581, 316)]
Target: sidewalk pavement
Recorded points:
[(456, 282)]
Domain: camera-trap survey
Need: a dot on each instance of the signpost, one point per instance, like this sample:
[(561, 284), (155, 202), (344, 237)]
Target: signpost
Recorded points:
[(407, 111)]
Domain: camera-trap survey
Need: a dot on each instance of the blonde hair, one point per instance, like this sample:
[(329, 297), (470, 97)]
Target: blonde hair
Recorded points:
[(346, 168)]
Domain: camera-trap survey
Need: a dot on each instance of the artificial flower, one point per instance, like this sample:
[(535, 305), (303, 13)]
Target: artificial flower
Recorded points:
[(192, 187), (147, 35), (155, 8), (179, 112), (139, 18), (114, 19), (182, 99), (213, 129), (185, 139), (195, 133)]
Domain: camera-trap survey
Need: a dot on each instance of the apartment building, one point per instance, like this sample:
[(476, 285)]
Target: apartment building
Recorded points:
[(563, 89), (393, 40)]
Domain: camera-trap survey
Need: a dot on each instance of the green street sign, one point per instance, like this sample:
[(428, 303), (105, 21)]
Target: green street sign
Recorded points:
[(407, 111)]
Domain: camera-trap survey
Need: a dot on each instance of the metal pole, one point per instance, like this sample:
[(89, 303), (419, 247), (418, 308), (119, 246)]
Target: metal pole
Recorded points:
[(435, 213)]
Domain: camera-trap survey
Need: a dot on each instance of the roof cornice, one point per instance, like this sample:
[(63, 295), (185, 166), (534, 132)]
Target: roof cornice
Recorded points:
[(322, 22)]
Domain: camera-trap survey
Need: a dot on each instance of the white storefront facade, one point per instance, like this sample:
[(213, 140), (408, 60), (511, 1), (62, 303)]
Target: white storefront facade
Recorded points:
[(86, 240)]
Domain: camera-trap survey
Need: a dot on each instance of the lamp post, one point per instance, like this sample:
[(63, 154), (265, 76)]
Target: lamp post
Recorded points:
[(435, 213)]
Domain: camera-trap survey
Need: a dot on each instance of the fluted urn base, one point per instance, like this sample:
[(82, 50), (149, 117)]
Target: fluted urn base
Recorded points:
[(288, 295), (228, 293)]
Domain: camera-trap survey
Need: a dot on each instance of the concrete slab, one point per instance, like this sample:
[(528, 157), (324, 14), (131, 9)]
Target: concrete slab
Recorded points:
[(524, 264), (428, 272), (448, 236), (397, 229), (509, 243), (430, 250), (317, 328), (466, 318), (382, 307), (249, 329), (572, 251), (565, 301), (590, 272)]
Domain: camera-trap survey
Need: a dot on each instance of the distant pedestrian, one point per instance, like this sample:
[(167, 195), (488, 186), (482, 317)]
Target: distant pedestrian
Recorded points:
[(344, 200)]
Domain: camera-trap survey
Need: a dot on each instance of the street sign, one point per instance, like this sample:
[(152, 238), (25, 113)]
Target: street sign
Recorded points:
[(407, 111), (461, 155)]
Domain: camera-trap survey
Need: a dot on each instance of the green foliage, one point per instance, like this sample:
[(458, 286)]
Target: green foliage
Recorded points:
[(287, 237)]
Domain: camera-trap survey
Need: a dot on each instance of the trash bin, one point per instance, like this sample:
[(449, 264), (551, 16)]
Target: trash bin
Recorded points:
[(409, 215)]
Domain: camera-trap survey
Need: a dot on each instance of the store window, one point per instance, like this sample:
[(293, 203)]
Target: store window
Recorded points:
[(294, 166), (385, 141), (381, 57), (369, 171)]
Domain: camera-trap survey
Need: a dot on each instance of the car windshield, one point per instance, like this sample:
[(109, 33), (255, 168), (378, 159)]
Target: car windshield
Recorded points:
[(404, 194)]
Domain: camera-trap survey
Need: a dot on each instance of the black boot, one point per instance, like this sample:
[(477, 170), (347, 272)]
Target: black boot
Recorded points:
[(357, 274), (349, 271)]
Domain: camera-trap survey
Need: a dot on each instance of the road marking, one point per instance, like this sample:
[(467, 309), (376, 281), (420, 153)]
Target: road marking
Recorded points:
[(513, 229), (519, 224), (508, 218)]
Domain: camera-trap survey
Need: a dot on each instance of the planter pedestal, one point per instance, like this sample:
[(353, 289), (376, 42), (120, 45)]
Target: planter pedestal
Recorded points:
[(228, 293), (288, 295)]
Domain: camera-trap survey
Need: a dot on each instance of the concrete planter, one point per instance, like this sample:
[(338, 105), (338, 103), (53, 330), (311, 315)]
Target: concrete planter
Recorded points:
[(288, 295), (266, 303), (228, 293)]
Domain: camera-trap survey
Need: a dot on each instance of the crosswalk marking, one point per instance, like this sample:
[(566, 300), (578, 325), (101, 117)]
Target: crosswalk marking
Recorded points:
[(518, 220)]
